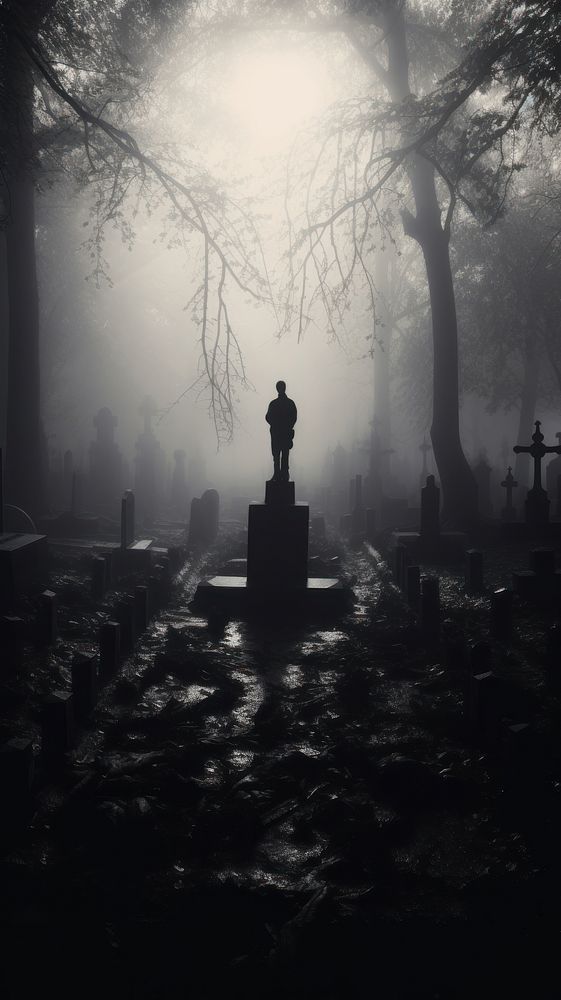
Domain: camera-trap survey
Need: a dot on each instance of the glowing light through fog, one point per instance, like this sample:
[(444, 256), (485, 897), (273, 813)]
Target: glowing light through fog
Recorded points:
[(272, 95)]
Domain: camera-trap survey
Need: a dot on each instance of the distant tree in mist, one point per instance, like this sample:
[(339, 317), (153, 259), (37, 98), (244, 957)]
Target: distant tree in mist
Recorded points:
[(75, 82), (458, 91)]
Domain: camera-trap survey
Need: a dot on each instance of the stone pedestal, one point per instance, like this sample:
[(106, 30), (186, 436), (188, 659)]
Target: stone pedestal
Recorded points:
[(537, 507), (277, 543)]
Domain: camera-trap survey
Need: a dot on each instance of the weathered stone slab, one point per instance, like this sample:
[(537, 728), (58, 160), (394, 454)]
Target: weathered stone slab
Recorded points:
[(23, 559)]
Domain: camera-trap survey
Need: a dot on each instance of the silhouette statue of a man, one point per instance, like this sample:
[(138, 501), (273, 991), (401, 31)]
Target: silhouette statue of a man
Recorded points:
[(281, 417)]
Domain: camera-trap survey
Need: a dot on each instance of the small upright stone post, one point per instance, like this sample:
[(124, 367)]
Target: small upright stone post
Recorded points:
[(125, 616), (474, 571), (109, 648), (99, 577), (127, 519), (501, 613), (141, 610), (47, 617), (57, 726), (84, 683), (430, 606), (430, 508)]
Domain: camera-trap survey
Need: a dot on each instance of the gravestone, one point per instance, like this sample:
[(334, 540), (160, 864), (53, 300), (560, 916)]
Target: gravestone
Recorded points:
[(430, 606), (132, 552), (105, 463), (109, 648), (474, 571), (57, 726), (149, 466), (23, 557), (508, 513), (537, 503), (500, 625), (84, 683), (204, 520), (127, 519)]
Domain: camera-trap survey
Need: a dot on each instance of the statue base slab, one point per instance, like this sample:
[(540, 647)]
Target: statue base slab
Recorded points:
[(277, 545)]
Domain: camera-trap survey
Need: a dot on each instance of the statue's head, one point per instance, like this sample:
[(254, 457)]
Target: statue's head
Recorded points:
[(281, 388)]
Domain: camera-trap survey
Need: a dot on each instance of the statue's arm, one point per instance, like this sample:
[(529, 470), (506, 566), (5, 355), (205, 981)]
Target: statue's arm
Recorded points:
[(294, 414), (268, 414)]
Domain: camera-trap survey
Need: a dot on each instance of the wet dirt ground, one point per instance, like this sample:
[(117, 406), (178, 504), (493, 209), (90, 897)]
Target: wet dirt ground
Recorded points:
[(289, 808)]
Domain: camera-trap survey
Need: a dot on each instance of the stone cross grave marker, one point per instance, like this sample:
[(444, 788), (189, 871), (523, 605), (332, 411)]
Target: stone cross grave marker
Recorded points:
[(537, 503), (508, 513)]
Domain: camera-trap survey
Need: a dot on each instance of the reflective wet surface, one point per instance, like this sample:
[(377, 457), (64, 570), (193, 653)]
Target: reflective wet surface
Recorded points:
[(295, 808)]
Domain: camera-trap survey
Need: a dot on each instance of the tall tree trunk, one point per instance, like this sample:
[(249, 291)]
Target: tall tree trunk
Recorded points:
[(459, 489), (382, 409), (23, 436), (528, 401)]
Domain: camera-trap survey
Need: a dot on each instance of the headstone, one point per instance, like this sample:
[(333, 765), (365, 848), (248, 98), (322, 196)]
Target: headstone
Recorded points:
[(479, 657), (57, 726), (84, 683), (126, 617), (204, 520), (150, 466), (537, 503), (109, 648), (542, 562), (474, 571), (501, 613), (430, 606), (430, 508), (106, 463), (47, 617), (508, 512), (141, 608), (12, 638)]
